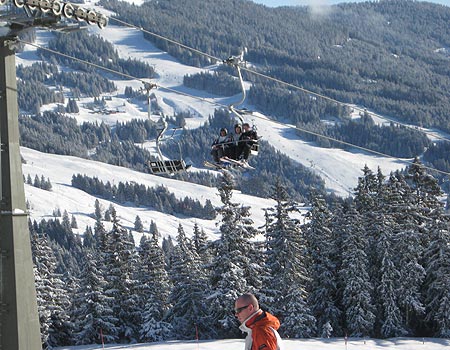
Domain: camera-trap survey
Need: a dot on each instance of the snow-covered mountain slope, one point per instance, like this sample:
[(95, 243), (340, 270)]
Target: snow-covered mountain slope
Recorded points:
[(59, 169), (339, 169)]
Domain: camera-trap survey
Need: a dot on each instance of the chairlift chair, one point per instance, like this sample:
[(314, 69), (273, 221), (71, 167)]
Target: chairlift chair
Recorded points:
[(166, 166)]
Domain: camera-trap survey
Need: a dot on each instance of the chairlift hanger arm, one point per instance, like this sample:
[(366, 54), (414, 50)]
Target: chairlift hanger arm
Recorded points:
[(237, 61)]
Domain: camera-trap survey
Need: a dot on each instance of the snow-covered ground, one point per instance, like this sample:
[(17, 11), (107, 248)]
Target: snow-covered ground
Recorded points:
[(59, 169), (289, 344)]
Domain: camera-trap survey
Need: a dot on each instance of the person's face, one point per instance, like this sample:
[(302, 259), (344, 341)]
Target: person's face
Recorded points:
[(246, 127), (237, 130), (242, 310)]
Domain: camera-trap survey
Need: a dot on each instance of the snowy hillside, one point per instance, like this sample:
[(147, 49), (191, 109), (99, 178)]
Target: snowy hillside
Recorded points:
[(339, 169), (59, 169)]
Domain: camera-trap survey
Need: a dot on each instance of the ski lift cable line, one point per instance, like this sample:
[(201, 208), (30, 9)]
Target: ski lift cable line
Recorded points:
[(116, 72), (215, 103), (279, 81), (166, 39)]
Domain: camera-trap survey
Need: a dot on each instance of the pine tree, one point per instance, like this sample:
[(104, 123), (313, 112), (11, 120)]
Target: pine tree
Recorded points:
[(201, 245), (156, 288), (153, 228), (73, 222), (108, 265), (233, 269), (37, 182), (66, 221), (385, 258), (138, 226), (98, 210), (93, 315), (88, 239), (286, 265), (168, 248), (409, 249), (189, 312), (53, 302), (322, 251), (392, 323), (121, 261), (358, 290)]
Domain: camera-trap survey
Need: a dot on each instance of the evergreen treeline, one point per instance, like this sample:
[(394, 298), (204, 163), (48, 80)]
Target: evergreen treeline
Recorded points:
[(218, 82), (394, 140), (158, 198), (391, 63), (373, 266), (41, 182), (96, 50), (32, 94), (438, 155), (40, 73)]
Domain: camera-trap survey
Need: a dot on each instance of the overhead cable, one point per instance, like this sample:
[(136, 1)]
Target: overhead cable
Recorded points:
[(279, 81), (226, 107)]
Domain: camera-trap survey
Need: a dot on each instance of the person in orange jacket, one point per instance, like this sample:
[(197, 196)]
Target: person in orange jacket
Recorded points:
[(260, 326)]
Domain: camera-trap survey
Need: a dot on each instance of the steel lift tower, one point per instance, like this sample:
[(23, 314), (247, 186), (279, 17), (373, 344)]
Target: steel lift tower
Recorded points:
[(19, 320)]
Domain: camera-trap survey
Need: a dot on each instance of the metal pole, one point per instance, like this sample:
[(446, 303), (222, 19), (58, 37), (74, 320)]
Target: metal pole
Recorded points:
[(19, 320)]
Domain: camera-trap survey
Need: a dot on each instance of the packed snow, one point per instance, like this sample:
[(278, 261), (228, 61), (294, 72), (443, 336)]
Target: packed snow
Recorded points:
[(288, 344)]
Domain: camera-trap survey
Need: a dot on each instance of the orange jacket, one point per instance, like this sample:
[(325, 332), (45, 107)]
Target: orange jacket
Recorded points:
[(262, 329)]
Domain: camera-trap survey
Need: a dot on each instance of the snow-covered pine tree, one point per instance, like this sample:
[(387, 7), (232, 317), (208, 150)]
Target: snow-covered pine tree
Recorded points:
[(437, 263), (73, 222), (390, 320), (53, 301), (201, 245), (93, 316), (236, 267), (122, 287), (357, 288), (88, 239), (138, 226), (101, 238), (155, 291), (153, 229), (189, 311), (409, 246), (390, 317), (97, 210), (322, 252), (286, 264)]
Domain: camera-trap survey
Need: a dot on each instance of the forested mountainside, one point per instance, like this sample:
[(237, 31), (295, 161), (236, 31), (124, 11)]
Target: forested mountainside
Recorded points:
[(390, 56), (374, 267)]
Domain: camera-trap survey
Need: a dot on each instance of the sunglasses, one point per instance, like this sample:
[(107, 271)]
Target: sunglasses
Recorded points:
[(240, 309)]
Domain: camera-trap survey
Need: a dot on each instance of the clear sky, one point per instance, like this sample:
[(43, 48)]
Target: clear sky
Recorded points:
[(275, 3)]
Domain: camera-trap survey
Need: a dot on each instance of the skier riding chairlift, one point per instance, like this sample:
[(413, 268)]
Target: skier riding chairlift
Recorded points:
[(249, 138)]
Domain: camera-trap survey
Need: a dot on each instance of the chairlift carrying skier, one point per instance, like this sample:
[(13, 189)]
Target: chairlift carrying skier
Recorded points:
[(222, 145)]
